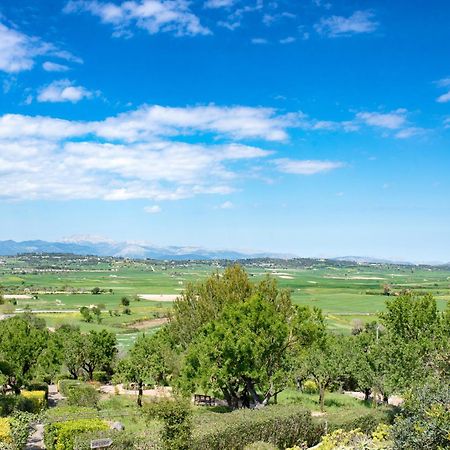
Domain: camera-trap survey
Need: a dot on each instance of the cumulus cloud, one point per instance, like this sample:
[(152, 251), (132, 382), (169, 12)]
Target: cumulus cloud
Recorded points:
[(133, 155), (154, 209), (18, 51), (392, 120), (63, 91), (153, 16), (49, 66), (358, 22)]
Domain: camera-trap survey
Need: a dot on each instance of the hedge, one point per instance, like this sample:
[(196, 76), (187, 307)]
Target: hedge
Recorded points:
[(11, 403), (61, 435), (282, 426), (79, 393), (122, 440), (5, 430), (38, 386), (37, 398), (367, 423), (65, 385)]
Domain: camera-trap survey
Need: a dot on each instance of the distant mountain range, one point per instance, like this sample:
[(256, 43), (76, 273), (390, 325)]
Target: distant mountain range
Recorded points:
[(81, 246)]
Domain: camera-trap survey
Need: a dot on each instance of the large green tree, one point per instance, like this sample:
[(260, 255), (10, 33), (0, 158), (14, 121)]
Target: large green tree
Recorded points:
[(239, 338)]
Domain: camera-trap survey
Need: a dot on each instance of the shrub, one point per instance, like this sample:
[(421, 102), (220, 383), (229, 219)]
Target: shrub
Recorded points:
[(65, 385), (37, 386), (282, 426), (61, 435), (11, 403), (5, 430), (37, 398), (100, 376), (83, 395), (260, 446), (310, 387), (122, 440), (20, 428), (176, 417), (367, 423), (424, 419)]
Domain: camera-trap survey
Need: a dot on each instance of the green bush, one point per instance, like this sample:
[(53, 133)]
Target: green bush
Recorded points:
[(61, 435), (366, 423), (83, 395), (281, 426), (20, 428), (65, 385), (11, 403), (260, 446), (100, 375), (176, 415), (122, 440), (79, 393)]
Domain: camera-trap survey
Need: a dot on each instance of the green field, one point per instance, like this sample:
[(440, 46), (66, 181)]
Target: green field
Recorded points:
[(59, 286)]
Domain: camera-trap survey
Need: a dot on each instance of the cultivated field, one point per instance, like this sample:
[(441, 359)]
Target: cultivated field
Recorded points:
[(56, 286)]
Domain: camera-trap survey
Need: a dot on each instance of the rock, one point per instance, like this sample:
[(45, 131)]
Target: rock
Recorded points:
[(118, 426)]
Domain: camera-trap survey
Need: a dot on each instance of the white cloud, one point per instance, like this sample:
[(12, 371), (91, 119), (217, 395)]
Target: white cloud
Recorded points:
[(49, 66), (226, 205), (306, 167), (444, 98), (63, 91), (153, 16), (259, 41), (237, 122), (408, 132), (288, 40), (18, 51), (358, 22), (49, 158), (214, 4), (392, 120), (443, 82), (154, 209)]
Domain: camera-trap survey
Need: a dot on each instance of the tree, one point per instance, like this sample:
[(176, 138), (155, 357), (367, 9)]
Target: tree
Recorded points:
[(240, 338), (22, 340), (96, 291), (415, 337), (326, 363), (125, 301), (86, 314), (97, 352), (145, 362), (424, 419), (97, 313)]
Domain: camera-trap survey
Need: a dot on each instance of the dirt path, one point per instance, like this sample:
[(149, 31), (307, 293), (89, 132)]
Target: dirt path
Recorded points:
[(144, 324), (36, 438)]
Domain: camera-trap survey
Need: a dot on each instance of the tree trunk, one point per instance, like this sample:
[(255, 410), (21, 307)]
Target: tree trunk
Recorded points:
[(253, 393), (366, 394), (322, 397), (140, 393)]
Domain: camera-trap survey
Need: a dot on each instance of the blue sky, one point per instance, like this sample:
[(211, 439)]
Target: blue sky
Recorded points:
[(306, 127)]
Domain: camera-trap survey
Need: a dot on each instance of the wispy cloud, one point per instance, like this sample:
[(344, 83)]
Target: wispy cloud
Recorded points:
[(259, 41), (49, 66), (444, 98), (19, 51), (215, 4), (63, 91), (306, 167), (154, 209), (153, 16), (358, 22), (226, 205)]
